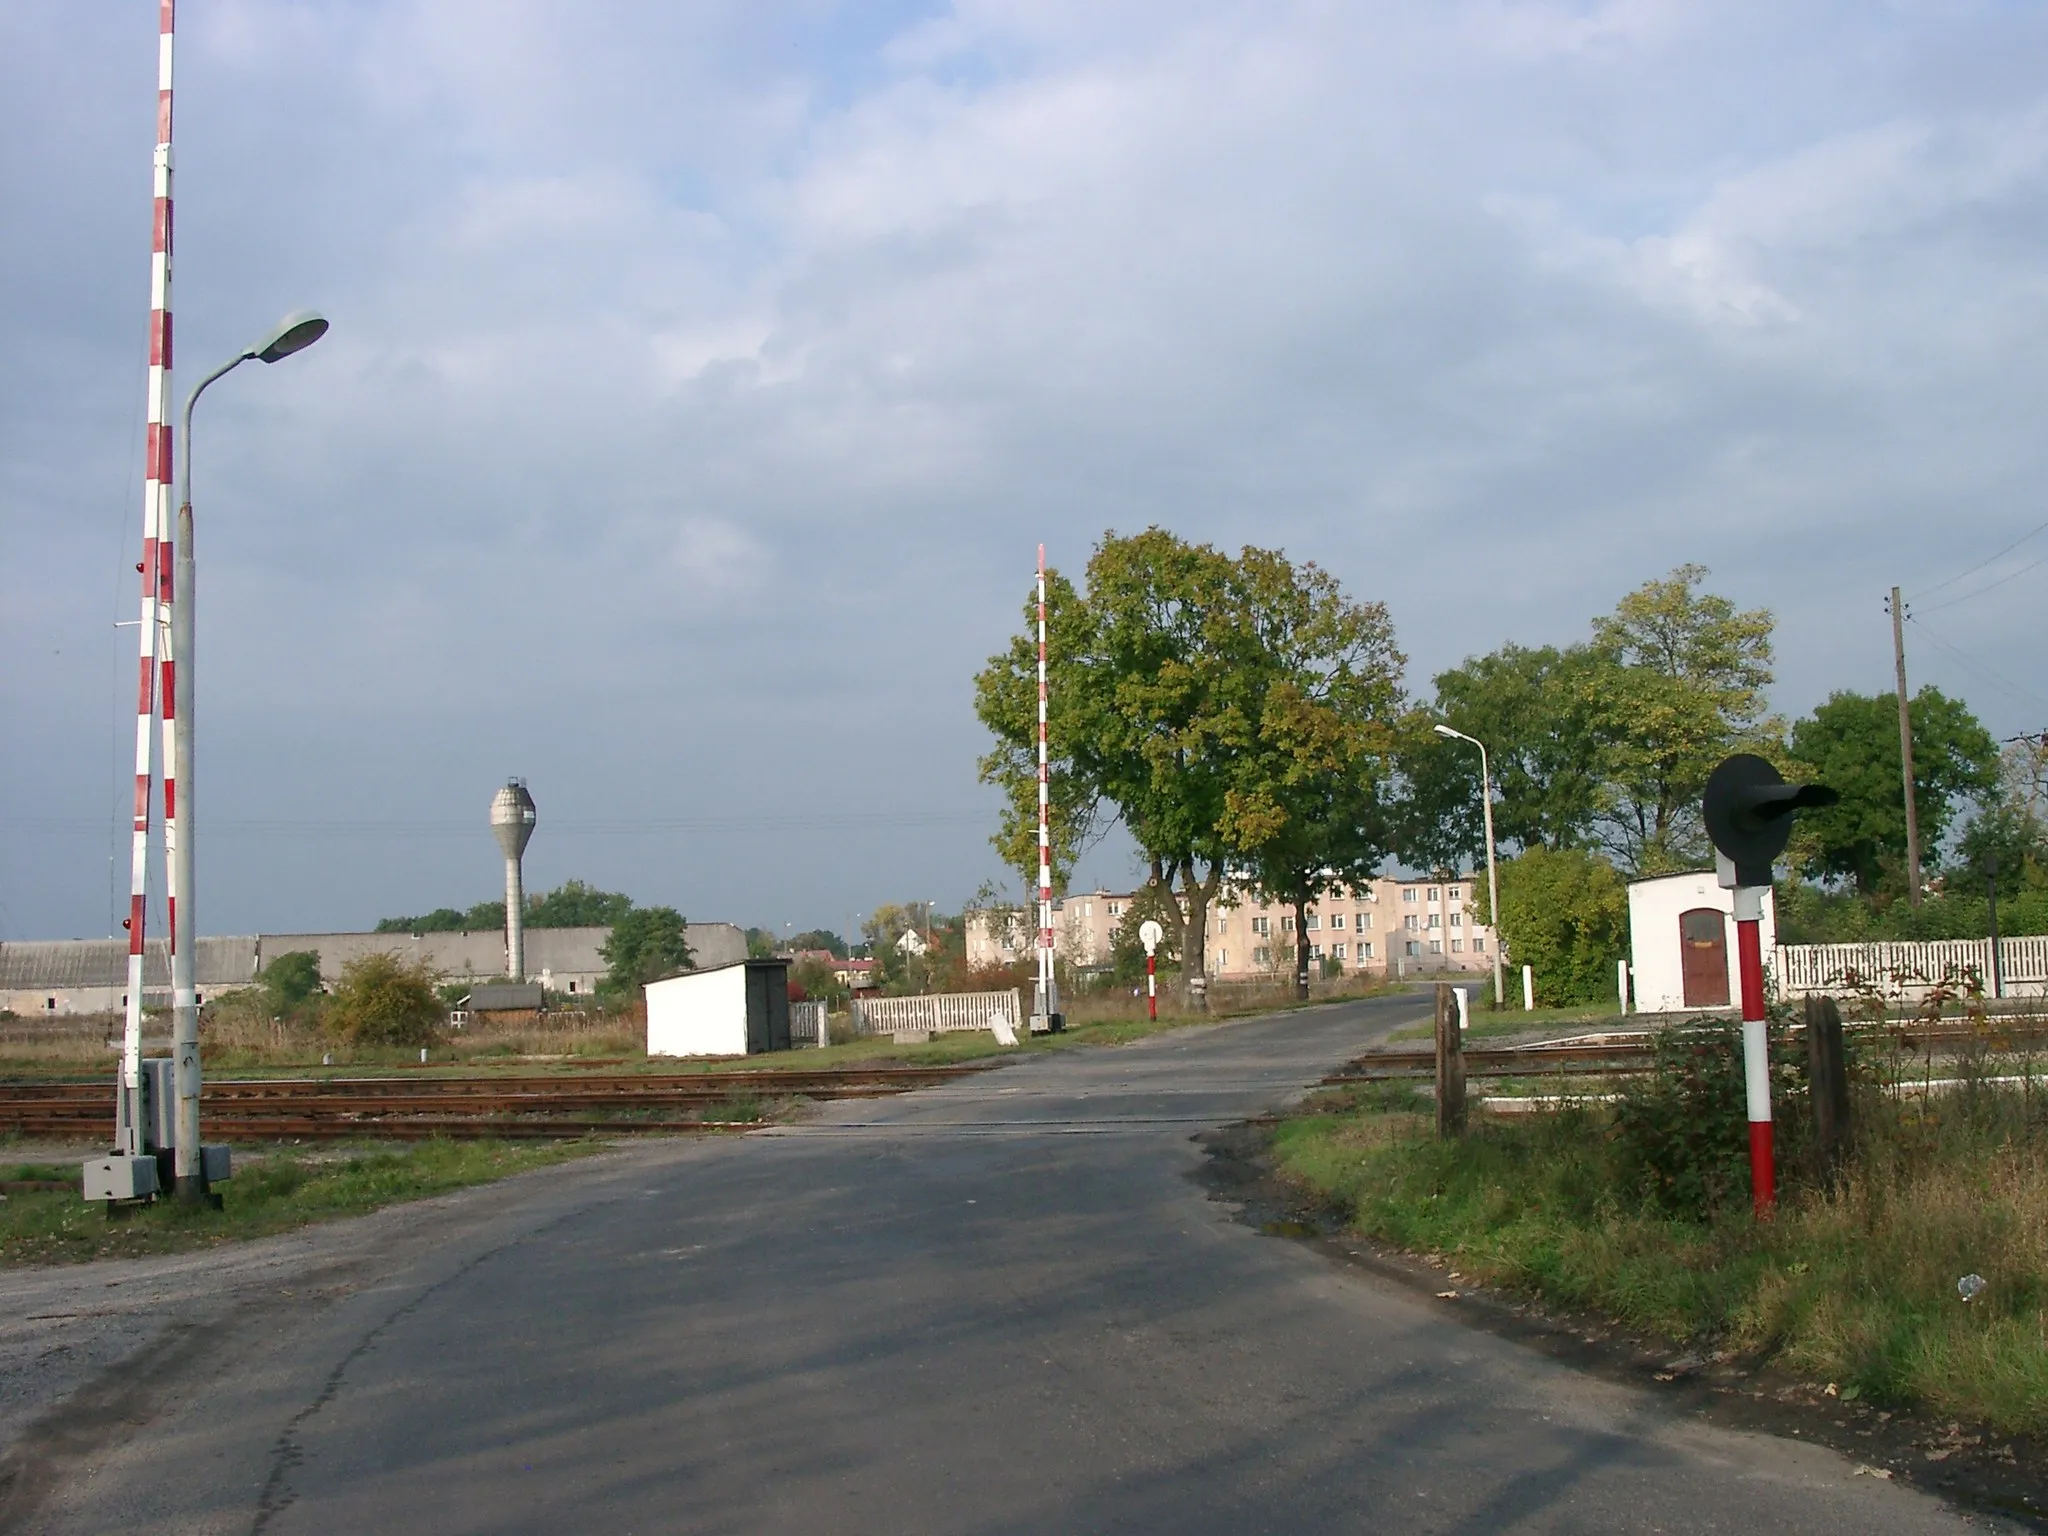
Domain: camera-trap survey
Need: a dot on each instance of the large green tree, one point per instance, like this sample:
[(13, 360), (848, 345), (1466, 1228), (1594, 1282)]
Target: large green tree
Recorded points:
[(647, 944), (1529, 707), (1199, 695), (1676, 684), (1318, 707), (1851, 743), (1606, 744)]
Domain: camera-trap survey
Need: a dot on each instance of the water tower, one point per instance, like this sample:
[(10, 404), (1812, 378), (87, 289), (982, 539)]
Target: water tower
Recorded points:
[(512, 816)]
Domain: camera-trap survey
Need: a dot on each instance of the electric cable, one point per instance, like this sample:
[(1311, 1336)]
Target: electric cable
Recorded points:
[(2015, 544)]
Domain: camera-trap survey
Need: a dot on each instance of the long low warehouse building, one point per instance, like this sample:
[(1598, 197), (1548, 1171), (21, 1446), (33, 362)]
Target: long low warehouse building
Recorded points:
[(60, 976)]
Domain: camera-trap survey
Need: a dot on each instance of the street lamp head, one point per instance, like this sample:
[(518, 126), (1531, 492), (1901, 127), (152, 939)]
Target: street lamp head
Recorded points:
[(294, 333), (1444, 730)]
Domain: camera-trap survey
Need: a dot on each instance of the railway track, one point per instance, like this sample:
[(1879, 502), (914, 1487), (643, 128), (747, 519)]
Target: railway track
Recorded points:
[(416, 1108)]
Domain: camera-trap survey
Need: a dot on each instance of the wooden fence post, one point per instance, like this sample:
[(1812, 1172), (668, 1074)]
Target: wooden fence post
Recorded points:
[(1450, 1065), (1827, 1082)]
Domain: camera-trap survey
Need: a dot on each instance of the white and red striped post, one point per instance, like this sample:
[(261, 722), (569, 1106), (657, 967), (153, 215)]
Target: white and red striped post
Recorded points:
[(1151, 985), (1756, 1045), (1048, 999), (156, 666)]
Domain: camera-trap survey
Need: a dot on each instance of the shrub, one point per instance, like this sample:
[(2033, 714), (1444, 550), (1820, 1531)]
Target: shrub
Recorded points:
[(383, 1000), (1565, 914), (1681, 1130)]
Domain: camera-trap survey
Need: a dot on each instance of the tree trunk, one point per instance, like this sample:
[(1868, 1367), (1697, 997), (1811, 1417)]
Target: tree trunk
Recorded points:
[(1196, 897), (1301, 948)]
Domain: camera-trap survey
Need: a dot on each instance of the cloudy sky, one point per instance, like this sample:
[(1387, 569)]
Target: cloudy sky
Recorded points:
[(704, 376)]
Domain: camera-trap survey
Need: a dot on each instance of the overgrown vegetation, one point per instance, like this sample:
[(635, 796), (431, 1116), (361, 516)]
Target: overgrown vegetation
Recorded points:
[(382, 999), (1644, 1214), (271, 1193)]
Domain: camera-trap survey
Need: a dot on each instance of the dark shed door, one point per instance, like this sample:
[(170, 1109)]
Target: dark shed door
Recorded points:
[(1703, 951)]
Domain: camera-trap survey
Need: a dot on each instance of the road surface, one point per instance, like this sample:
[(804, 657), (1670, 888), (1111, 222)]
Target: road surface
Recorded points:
[(1003, 1305)]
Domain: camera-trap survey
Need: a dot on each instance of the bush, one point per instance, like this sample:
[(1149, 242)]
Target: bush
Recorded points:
[(1565, 914), (383, 1000), (1681, 1130)]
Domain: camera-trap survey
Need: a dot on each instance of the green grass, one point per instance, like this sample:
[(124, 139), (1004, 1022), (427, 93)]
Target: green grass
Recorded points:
[(1857, 1288), (277, 1193)]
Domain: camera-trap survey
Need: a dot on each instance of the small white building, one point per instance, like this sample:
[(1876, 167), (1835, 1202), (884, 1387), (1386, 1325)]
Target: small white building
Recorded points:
[(740, 1009), (1682, 951)]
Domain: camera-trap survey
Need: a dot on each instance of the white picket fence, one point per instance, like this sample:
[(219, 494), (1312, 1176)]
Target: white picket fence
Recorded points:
[(1911, 970), (939, 1014)]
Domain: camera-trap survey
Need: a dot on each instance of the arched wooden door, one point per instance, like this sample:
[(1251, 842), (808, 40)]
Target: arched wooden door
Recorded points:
[(1703, 951)]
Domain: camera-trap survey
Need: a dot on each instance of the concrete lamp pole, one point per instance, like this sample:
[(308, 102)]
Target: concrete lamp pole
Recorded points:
[(1492, 875), (293, 334)]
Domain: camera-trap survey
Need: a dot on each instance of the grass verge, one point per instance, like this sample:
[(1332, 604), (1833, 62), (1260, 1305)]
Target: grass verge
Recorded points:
[(1856, 1287), (276, 1193)]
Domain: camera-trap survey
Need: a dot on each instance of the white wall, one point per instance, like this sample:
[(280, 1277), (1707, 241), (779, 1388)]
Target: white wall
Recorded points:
[(700, 1013), (1656, 963)]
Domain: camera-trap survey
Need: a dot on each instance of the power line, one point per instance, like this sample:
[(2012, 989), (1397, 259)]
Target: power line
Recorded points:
[(1988, 586), (291, 827), (1982, 669), (1973, 570)]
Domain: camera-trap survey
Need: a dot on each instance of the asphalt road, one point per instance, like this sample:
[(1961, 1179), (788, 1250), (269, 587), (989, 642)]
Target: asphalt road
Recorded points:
[(998, 1306)]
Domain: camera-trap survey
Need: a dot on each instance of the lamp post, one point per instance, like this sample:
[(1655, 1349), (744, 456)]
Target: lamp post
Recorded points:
[(1492, 876), (294, 333)]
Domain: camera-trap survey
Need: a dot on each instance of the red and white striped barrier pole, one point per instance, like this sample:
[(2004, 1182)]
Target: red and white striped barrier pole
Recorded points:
[(155, 670), (1756, 1047), (1151, 986)]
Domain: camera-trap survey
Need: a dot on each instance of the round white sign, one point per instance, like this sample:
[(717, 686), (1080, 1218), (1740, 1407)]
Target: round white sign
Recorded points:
[(1149, 934)]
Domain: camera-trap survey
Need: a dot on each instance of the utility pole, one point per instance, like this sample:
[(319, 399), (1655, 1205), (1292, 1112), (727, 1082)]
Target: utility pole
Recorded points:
[(1898, 608)]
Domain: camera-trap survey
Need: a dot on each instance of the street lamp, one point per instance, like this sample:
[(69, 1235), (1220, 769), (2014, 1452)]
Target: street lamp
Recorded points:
[(294, 333), (1492, 878)]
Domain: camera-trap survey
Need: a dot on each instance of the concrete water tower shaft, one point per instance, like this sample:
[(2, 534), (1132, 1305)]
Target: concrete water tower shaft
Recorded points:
[(512, 818)]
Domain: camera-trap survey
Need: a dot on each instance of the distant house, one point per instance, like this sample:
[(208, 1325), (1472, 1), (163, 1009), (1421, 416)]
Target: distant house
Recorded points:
[(1682, 953)]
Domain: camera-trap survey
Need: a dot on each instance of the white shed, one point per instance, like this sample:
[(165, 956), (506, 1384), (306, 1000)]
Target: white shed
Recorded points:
[(729, 1010), (1681, 932)]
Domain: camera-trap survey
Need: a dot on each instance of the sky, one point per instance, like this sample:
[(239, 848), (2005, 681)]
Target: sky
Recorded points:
[(703, 378)]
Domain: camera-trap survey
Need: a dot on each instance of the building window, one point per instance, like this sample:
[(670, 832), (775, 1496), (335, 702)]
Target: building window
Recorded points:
[(1432, 893), (1315, 951), (1365, 950), (51, 1003), (1223, 955), (1116, 907), (1264, 925), (1458, 945), (1265, 956), (1315, 921), (1414, 948), (1287, 923), (1436, 946), (1479, 944), (1408, 891), (572, 985), (1457, 893), (1436, 919), (1458, 918), (1411, 922), (1365, 918), (1337, 950)]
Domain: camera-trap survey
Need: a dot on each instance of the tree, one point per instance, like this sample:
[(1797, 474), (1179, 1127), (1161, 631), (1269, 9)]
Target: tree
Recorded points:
[(1213, 701), (1315, 708), (290, 979), (761, 944), (647, 944), (817, 982), (381, 999), (1672, 683), (572, 904), (1851, 743), (1528, 706), (820, 938), (1563, 913)]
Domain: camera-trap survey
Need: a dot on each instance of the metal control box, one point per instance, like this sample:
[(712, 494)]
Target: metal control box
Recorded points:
[(215, 1165), (120, 1178), (159, 1116)]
